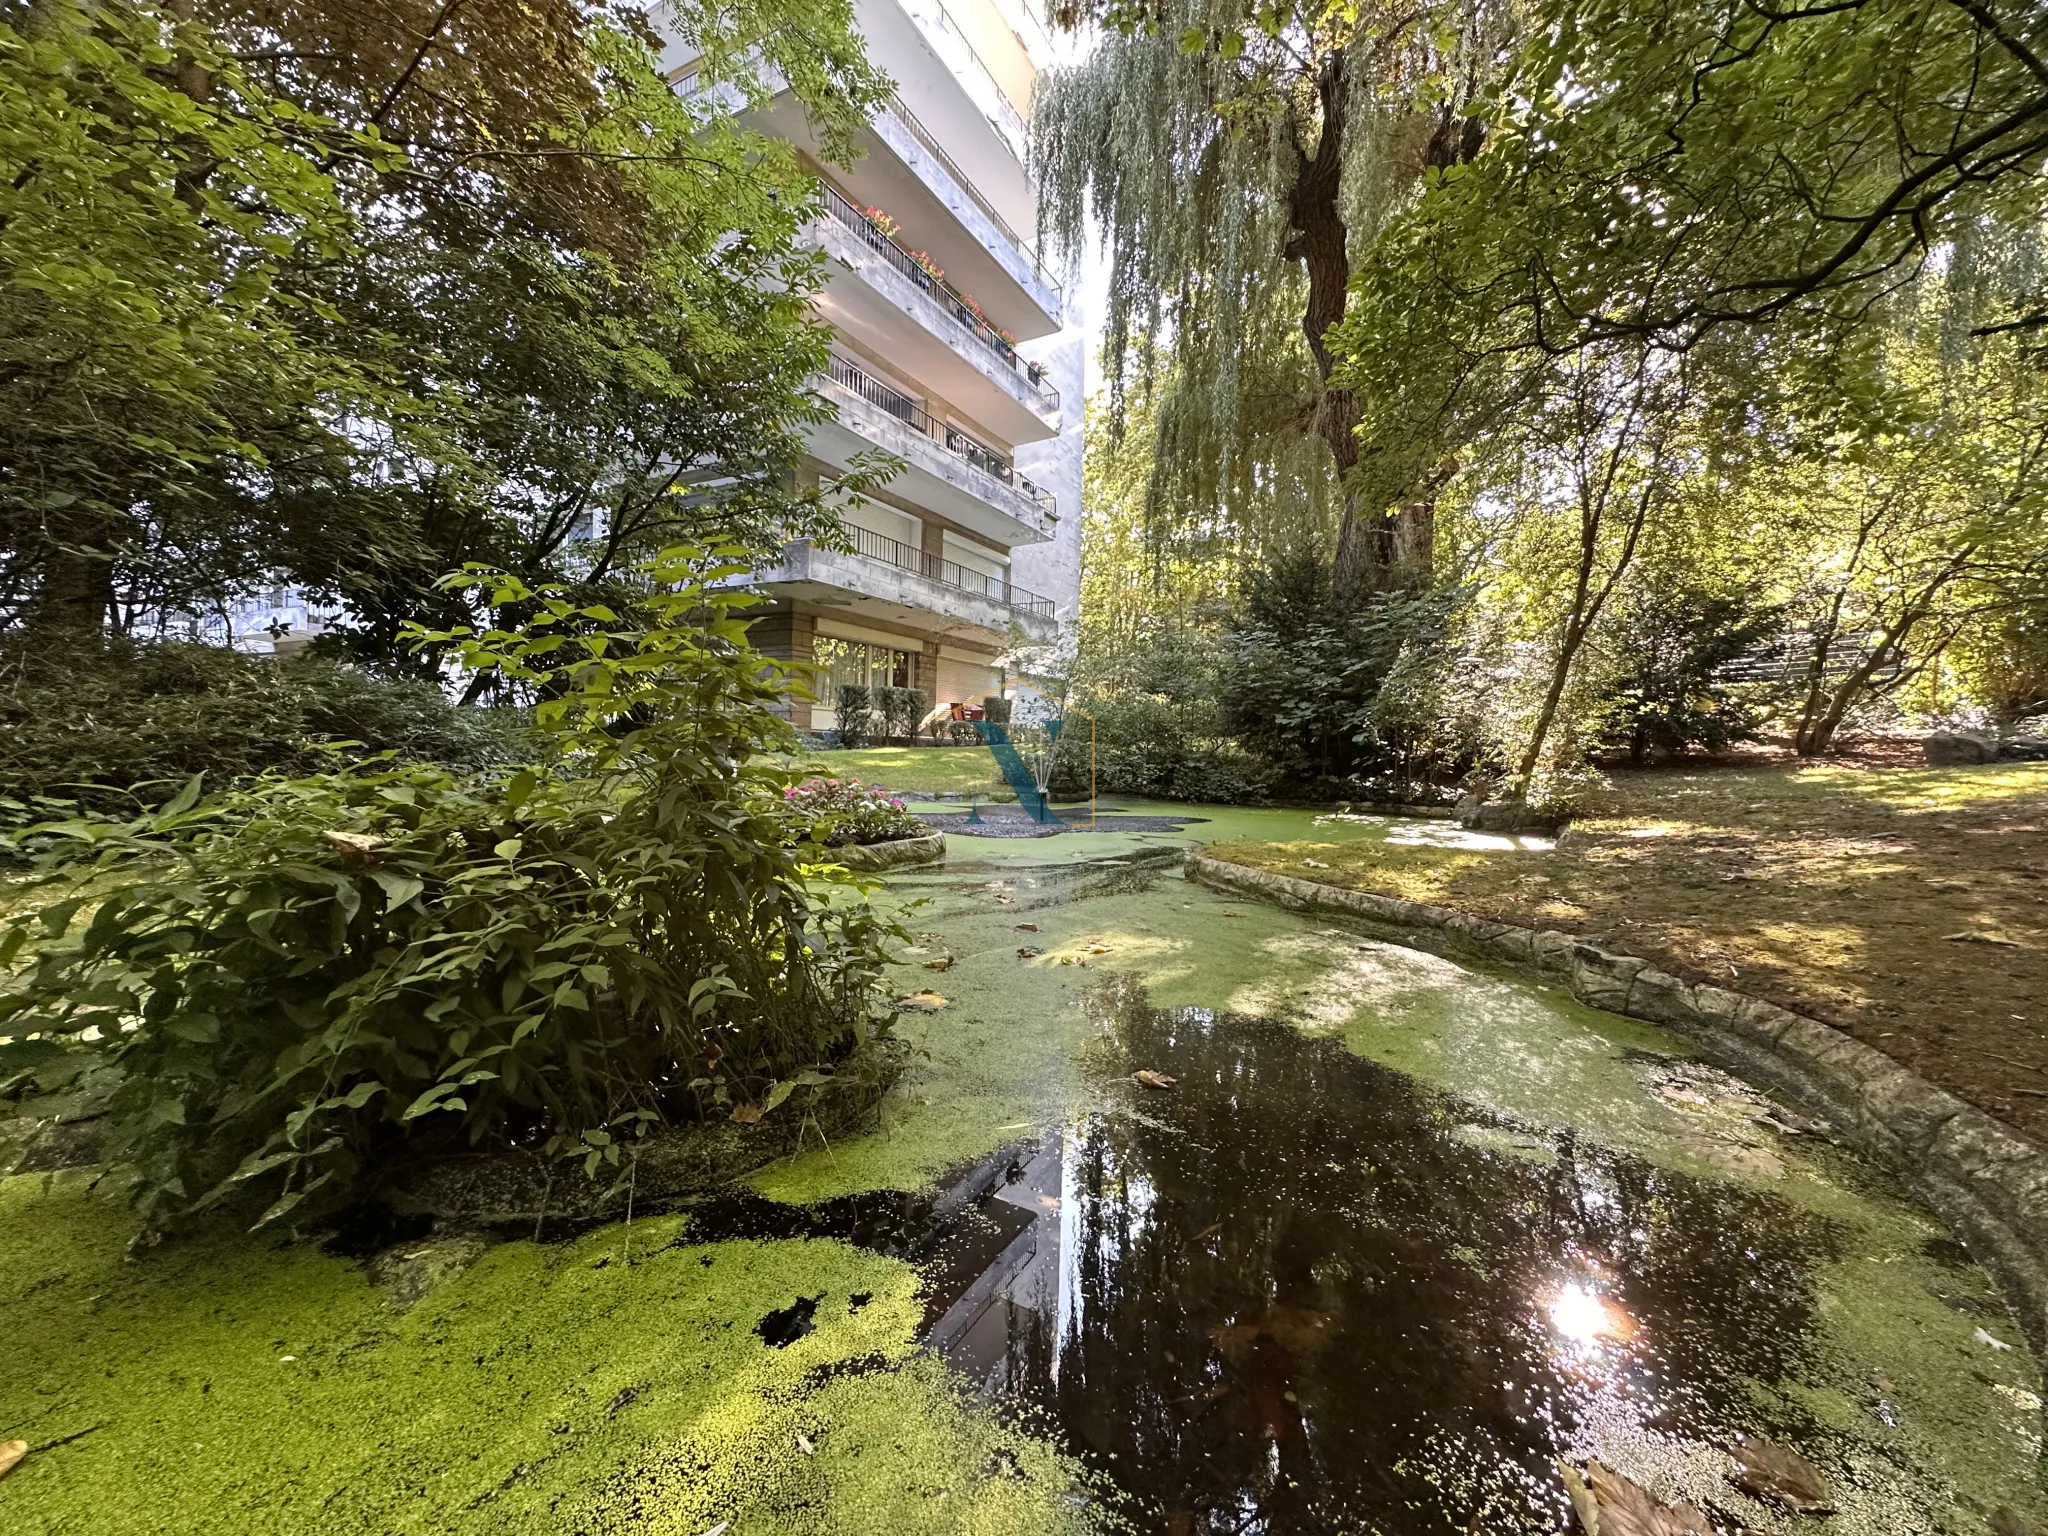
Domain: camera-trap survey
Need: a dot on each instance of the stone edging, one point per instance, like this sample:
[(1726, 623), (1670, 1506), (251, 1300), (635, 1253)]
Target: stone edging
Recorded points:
[(893, 854), (1984, 1179)]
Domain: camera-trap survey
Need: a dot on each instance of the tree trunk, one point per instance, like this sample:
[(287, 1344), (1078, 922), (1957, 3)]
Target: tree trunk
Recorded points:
[(74, 600), (1378, 549), (1318, 243)]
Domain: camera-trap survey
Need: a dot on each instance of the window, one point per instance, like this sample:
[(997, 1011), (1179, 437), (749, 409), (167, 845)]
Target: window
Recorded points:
[(851, 663)]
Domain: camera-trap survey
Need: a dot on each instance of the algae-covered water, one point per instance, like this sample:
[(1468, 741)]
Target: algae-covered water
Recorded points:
[(1398, 1236)]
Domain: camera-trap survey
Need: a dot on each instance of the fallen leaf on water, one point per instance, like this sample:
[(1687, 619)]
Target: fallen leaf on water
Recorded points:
[(945, 963), (1779, 1473), (1609, 1504), (803, 1443), (1004, 900), (1995, 1343), (921, 1002), (11, 1452), (1315, 863), (1028, 953), (1984, 938), (1153, 1079), (1027, 927), (1879, 1380), (747, 1114), (1098, 949)]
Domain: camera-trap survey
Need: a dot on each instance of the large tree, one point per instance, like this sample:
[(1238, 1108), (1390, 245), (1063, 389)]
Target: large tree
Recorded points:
[(1240, 157), (1659, 170), (436, 280)]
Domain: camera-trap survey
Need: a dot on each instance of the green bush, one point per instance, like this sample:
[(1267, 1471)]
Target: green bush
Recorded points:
[(855, 714), (1159, 747), (132, 722), (901, 709), (304, 979), (1676, 641)]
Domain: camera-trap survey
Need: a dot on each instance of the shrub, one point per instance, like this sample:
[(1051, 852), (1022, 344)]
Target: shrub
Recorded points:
[(1321, 689), (306, 978), (1676, 642), (855, 713), (842, 811), (1162, 748), (130, 723), (901, 709)]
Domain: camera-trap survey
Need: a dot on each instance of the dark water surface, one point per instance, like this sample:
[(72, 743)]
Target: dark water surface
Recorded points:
[(1284, 1296), (1300, 1292)]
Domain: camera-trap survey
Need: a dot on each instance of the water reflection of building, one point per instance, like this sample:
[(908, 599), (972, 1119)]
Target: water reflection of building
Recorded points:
[(1297, 1294), (1003, 1331)]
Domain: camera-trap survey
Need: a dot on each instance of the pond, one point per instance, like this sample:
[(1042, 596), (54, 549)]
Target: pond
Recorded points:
[(1400, 1234)]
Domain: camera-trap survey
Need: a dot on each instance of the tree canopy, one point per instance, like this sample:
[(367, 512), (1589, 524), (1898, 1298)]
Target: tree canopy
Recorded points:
[(347, 296), (1241, 158)]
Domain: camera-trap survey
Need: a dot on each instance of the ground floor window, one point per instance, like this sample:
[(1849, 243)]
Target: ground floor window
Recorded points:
[(855, 664)]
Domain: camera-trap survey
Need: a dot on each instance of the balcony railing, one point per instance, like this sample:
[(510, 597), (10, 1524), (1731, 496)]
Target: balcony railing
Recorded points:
[(906, 557), (906, 410), (955, 304), (932, 147)]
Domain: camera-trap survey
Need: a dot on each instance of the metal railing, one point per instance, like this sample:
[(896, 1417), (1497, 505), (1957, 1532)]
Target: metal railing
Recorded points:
[(908, 557), (844, 375), (954, 303), (937, 151)]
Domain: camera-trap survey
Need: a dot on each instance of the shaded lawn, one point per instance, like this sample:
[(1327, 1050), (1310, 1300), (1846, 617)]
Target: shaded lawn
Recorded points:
[(918, 770), (1907, 907)]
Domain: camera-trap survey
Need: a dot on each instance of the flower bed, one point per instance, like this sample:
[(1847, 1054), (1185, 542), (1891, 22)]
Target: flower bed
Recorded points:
[(849, 813)]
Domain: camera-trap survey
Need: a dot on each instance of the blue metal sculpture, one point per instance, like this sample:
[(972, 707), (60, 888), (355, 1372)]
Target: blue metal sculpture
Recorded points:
[(1030, 793)]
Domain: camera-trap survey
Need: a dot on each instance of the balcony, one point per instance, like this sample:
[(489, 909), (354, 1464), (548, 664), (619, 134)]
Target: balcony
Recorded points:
[(897, 304), (941, 168), (945, 469), (895, 583)]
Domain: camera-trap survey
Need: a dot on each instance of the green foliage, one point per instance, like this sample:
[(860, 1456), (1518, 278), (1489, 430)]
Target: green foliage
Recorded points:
[(302, 980), (1241, 158), (125, 723), (842, 811), (1320, 688), (150, 232), (350, 294), (1676, 643), (858, 720), (900, 709)]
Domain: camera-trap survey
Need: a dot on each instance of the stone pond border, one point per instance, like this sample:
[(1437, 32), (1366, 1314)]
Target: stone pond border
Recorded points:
[(894, 854), (1984, 1179)]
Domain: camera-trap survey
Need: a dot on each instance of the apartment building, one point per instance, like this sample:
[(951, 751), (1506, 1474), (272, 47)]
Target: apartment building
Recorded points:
[(951, 351)]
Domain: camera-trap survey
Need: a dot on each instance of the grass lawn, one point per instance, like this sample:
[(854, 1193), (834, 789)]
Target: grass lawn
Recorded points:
[(919, 770), (1907, 907)]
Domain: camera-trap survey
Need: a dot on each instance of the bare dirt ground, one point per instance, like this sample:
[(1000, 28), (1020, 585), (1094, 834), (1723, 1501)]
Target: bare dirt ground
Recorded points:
[(1906, 906)]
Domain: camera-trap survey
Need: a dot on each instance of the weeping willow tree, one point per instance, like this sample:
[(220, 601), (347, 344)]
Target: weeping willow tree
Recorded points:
[(1240, 158)]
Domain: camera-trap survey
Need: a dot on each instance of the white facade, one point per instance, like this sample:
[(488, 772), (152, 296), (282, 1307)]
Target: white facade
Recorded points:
[(952, 352)]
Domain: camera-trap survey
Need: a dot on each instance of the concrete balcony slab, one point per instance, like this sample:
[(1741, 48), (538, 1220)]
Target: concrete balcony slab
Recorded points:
[(879, 297), (944, 472), (863, 587)]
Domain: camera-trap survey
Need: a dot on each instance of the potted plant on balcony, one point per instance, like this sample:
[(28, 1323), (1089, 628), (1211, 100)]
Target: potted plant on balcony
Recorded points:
[(867, 828)]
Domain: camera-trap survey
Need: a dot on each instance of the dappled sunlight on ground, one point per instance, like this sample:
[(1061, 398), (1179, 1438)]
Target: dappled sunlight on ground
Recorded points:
[(1908, 907)]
